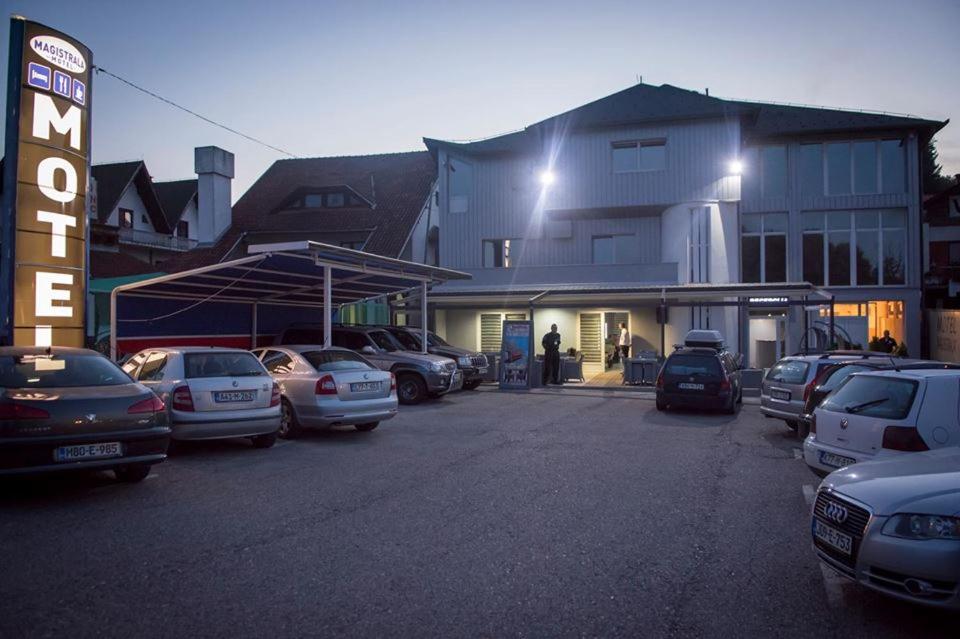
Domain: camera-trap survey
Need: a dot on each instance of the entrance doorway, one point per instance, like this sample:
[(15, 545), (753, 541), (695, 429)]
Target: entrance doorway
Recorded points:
[(599, 338), (768, 339)]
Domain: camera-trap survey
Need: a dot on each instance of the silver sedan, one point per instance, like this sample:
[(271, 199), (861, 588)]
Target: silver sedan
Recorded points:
[(323, 387)]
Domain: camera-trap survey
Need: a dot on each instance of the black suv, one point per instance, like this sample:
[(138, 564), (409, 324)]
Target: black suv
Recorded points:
[(472, 365), (700, 377)]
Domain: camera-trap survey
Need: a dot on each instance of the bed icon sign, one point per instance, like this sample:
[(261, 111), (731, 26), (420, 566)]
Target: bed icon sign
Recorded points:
[(79, 92), (61, 84), (38, 76)]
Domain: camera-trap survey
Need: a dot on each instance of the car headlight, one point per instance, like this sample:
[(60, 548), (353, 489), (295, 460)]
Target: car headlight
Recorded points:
[(910, 526), (464, 361), (436, 367)]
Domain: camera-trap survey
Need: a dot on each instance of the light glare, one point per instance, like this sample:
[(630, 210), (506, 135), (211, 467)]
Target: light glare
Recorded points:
[(547, 178), (736, 167)]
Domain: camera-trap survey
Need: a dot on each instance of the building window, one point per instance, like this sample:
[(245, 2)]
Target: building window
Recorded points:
[(183, 228), (854, 248), (335, 200), (763, 247), (460, 185), (500, 253), (612, 249), (853, 168), (766, 172), (640, 155), (491, 329), (356, 245), (126, 219)]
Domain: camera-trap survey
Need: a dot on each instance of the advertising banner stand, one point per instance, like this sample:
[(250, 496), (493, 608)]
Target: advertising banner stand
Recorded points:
[(515, 354), (43, 214)]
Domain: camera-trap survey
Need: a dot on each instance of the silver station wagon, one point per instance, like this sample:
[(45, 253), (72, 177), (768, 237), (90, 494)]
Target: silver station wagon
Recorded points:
[(324, 387)]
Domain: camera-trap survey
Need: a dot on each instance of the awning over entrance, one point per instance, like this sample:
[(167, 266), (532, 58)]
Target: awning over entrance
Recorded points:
[(297, 280)]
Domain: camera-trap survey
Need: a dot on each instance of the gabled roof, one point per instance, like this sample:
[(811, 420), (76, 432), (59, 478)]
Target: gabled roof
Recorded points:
[(398, 184), (120, 264), (174, 197), (112, 182), (646, 103)]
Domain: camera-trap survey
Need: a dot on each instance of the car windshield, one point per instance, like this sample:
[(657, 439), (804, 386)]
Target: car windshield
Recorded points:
[(326, 361), (790, 371), (409, 342), (873, 396), (436, 340), (59, 371), (385, 341), (692, 365), (234, 364)]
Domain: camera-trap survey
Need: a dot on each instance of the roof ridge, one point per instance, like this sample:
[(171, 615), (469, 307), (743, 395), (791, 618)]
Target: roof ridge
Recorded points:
[(820, 107), (360, 155)]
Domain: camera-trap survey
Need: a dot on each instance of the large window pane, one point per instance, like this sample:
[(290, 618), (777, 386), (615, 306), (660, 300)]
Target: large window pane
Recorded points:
[(867, 220), (775, 258), (838, 168), (813, 258), (893, 219), (868, 258), (653, 157), (811, 169), (603, 250), (625, 158), (838, 220), (893, 166), (775, 223), (894, 246), (624, 249), (865, 167), (774, 160), (838, 258), (751, 223), (750, 252), (750, 179), (812, 221), (461, 178)]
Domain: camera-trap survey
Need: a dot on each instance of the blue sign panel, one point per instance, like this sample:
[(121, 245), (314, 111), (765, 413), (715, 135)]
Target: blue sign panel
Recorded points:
[(79, 92), (38, 76), (61, 84), (515, 354)]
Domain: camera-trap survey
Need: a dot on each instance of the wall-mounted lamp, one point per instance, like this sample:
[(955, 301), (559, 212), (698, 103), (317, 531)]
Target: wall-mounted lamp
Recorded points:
[(547, 177), (736, 167)]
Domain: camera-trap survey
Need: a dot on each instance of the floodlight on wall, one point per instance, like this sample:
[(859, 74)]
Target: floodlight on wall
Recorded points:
[(736, 167), (547, 177)]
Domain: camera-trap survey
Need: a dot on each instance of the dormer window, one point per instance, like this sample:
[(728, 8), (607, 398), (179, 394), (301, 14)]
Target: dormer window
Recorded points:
[(327, 199)]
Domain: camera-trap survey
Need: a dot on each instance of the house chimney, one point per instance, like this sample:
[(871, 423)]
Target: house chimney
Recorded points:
[(214, 167)]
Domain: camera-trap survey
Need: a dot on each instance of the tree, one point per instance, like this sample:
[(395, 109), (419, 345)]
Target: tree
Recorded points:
[(934, 180)]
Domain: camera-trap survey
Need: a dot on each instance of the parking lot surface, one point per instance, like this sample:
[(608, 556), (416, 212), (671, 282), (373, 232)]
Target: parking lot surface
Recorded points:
[(482, 514)]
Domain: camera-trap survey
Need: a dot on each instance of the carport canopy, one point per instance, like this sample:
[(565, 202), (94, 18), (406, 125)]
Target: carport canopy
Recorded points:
[(302, 274)]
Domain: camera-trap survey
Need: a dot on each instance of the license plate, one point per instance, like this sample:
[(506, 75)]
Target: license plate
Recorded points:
[(781, 395), (689, 386), (87, 451), (482, 371), (234, 396), (364, 387), (836, 461), (832, 537)]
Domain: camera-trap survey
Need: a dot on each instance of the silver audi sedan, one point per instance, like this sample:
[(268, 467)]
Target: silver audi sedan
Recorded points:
[(323, 387)]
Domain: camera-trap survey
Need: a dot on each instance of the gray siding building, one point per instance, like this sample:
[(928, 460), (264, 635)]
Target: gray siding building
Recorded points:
[(669, 209)]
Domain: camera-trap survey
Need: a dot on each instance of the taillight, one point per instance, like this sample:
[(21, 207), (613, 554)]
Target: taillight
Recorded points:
[(21, 411), (725, 384), (393, 382), (809, 389), (151, 405), (182, 399), (326, 386), (905, 438), (275, 395)]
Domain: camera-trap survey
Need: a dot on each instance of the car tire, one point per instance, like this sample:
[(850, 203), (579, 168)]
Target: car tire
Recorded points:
[(365, 428), (792, 424), (132, 474), (264, 441), (471, 385), (732, 408), (411, 389), (661, 405), (289, 427)]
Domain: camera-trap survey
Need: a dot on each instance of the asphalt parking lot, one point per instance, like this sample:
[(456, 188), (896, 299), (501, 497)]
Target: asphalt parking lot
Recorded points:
[(483, 514)]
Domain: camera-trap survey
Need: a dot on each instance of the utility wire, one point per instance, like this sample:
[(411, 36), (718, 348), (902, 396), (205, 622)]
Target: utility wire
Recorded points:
[(193, 113)]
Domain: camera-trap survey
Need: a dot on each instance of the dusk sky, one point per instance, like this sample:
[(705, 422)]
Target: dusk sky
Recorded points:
[(347, 78)]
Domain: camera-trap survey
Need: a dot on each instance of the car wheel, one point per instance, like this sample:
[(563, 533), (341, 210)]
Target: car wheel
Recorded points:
[(411, 389), (366, 427), (131, 474), (264, 441), (792, 424), (471, 385), (289, 428), (732, 408), (661, 405)]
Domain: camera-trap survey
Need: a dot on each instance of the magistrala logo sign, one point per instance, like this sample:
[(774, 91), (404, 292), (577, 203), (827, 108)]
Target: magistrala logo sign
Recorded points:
[(59, 52)]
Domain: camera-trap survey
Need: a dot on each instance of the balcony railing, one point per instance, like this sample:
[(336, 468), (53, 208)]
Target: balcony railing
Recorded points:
[(157, 240)]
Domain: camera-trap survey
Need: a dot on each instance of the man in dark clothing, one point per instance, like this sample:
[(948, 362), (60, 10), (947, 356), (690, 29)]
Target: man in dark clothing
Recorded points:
[(551, 356), (889, 344)]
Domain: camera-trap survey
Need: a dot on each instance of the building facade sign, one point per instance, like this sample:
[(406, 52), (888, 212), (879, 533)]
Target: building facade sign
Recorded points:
[(43, 249)]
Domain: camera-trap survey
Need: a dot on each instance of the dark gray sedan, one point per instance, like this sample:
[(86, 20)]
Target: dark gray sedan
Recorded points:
[(74, 409)]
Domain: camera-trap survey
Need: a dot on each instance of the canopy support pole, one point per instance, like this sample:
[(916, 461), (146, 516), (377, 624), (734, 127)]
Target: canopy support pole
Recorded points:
[(327, 310), (113, 325), (253, 325), (423, 317)]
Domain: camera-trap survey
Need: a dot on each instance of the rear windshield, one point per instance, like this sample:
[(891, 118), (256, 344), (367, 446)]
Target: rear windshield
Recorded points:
[(239, 364), (789, 372), (59, 371), (692, 365), (325, 361), (872, 396)]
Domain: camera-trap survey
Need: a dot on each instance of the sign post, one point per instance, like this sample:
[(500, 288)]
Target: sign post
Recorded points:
[(515, 354), (43, 256)]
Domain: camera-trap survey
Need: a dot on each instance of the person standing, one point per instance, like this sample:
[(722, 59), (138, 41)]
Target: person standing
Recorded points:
[(888, 343), (551, 356), (625, 341)]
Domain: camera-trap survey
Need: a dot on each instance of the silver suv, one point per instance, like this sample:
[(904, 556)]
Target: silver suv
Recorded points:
[(786, 385)]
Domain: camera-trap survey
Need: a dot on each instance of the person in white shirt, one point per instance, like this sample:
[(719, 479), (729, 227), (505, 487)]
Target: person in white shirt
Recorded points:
[(624, 342)]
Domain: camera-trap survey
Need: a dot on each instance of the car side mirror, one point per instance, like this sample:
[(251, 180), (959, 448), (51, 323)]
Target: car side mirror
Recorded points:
[(368, 350)]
